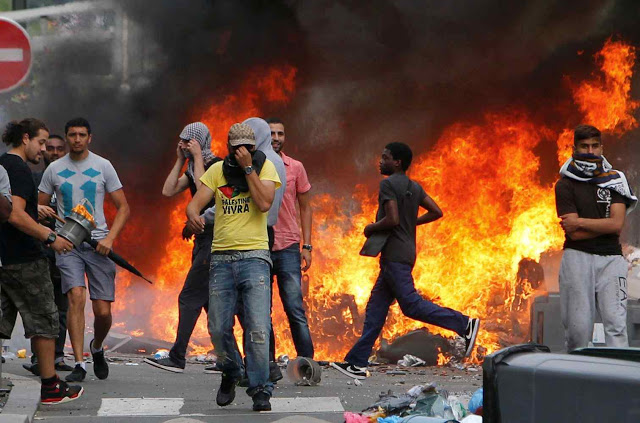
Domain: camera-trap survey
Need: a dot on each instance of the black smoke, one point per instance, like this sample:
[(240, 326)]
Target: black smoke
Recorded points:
[(369, 72)]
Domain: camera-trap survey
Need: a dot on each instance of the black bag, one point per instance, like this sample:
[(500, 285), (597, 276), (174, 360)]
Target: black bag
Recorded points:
[(376, 242)]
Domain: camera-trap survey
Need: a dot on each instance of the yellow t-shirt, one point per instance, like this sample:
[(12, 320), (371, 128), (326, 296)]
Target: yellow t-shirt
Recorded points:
[(239, 224)]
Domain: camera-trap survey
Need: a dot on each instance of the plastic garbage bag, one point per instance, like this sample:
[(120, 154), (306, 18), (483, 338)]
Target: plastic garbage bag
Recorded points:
[(459, 411), (475, 403), (392, 403), (389, 419), (433, 404), (472, 418), (425, 419), (350, 417)]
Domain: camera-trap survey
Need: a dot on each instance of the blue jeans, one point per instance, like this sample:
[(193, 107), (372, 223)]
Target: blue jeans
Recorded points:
[(247, 279), (286, 268), (395, 282)]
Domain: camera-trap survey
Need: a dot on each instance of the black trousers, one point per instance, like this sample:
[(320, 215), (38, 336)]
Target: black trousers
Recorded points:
[(194, 296)]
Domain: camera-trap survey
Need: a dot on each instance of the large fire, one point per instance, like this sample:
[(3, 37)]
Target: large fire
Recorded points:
[(485, 177)]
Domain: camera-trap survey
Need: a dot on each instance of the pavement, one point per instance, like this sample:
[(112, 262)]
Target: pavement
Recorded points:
[(137, 392)]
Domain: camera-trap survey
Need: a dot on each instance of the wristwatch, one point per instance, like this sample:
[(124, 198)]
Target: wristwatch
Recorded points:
[(50, 239), (307, 247), (248, 170)]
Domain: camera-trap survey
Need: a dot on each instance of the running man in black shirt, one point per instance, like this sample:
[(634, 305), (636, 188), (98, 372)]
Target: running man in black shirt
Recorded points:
[(399, 200), (591, 200)]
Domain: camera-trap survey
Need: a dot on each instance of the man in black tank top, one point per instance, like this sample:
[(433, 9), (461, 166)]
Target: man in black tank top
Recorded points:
[(195, 146), (399, 200)]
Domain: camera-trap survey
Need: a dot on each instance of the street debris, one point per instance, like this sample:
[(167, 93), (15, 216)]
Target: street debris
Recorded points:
[(411, 361), (421, 403), (304, 371), (419, 343)]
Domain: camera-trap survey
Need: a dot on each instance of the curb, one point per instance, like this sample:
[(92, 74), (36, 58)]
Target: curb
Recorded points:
[(23, 401)]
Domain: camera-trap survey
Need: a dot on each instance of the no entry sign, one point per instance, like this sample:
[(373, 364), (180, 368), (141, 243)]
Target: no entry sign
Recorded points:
[(15, 54)]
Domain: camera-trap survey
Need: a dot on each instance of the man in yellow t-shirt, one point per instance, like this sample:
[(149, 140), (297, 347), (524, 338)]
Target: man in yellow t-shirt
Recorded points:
[(243, 186)]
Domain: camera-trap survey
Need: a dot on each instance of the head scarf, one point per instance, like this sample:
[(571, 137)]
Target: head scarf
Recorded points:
[(262, 132), (598, 171), (197, 131)]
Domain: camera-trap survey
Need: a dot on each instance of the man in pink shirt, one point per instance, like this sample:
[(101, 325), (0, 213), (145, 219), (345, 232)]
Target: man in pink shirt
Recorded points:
[(289, 260)]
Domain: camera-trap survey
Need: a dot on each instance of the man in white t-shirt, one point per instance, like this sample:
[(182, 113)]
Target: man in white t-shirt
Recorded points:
[(80, 175)]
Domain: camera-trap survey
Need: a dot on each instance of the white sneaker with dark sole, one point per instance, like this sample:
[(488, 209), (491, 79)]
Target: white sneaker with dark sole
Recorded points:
[(164, 364), (471, 335), (350, 370)]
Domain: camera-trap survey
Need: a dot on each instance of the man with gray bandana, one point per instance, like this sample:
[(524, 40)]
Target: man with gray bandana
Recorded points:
[(194, 146)]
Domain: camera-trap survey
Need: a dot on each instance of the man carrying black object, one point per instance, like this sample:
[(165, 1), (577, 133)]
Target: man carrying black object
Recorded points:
[(591, 200), (399, 200), (56, 147), (24, 277)]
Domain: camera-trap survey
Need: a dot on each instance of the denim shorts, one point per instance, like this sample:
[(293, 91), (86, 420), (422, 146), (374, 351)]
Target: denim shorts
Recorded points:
[(26, 288), (100, 270)]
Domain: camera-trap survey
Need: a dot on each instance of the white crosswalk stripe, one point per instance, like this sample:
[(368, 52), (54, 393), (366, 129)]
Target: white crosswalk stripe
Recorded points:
[(114, 407)]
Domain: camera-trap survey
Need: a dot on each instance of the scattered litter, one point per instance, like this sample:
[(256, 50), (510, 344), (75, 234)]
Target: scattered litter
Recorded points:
[(418, 343), (357, 382), (421, 404), (458, 409), (22, 353), (161, 353), (9, 355), (350, 417), (475, 403), (283, 359), (396, 372), (304, 371), (411, 361), (131, 364)]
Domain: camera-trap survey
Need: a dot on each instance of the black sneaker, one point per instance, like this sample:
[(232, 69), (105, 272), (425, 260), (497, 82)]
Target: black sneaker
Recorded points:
[(227, 390), (261, 401), (100, 365), (164, 364), (77, 375), (350, 370), (274, 372), (59, 393), (33, 368), (61, 366), (470, 335)]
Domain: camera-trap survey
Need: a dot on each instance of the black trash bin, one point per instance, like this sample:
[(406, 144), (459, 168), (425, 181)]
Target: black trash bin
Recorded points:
[(526, 384)]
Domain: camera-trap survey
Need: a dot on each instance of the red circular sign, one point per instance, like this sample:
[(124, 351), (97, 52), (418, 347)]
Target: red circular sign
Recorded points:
[(15, 54)]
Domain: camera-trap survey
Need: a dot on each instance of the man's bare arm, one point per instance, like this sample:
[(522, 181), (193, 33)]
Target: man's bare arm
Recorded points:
[(571, 223), (389, 221), (5, 208), (20, 219), (433, 211), (122, 215)]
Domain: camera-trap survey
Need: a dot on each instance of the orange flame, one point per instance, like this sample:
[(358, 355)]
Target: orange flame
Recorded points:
[(484, 176), (605, 101)]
